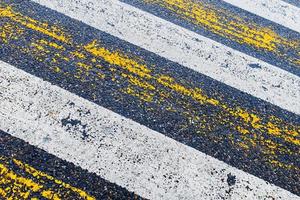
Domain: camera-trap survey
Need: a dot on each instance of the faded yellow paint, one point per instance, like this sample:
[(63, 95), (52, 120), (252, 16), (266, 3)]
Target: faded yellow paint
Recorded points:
[(51, 44), (118, 59), (296, 61), (243, 145), (228, 25), (195, 93), (141, 95), (57, 69), (38, 174), (158, 88), (78, 54), (44, 28), (38, 47), (12, 181), (9, 32), (137, 82), (15, 186), (242, 130), (84, 66), (3, 193), (283, 165), (100, 75)]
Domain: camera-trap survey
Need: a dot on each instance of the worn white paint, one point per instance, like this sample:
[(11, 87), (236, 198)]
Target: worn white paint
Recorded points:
[(116, 148), (187, 48), (277, 11)]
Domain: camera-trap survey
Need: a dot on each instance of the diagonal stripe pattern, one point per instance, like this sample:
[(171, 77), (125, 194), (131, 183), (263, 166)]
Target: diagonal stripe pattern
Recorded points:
[(233, 27), (17, 186), (274, 10), (242, 130), (195, 107), (117, 148), (19, 180), (189, 49)]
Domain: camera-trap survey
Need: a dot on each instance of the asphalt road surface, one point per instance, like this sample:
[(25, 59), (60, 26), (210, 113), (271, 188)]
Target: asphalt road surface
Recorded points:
[(149, 99)]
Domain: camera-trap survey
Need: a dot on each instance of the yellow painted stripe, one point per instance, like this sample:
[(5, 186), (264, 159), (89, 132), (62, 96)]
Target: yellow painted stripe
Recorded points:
[(14, 185), (195, 93), (229, 25), (28, 22), (151, 87)]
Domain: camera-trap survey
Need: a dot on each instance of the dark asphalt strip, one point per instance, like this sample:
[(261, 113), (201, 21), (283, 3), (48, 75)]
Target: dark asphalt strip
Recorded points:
[(14, 151), (283, 61), (235, 127)]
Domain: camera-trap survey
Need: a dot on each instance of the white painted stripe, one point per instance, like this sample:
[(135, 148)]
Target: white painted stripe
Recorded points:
[(293, 2), (187, 48), (277, 11), (118, 149)]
